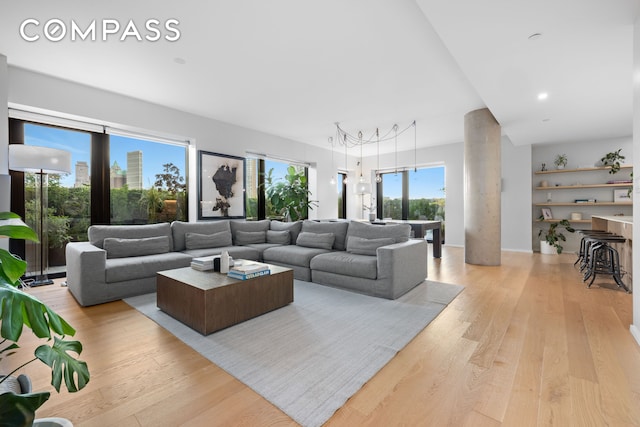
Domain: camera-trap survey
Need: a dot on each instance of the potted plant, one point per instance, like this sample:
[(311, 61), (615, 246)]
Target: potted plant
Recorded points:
[(19, 309), (560, 161), (289, 196), (553, 236), (613, 160)]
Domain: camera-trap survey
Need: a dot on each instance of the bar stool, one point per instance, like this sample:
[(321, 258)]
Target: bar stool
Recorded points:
[(582, 252), (602, 258)]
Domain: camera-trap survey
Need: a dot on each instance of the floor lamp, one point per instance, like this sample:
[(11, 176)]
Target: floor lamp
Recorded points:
[(40, 161)]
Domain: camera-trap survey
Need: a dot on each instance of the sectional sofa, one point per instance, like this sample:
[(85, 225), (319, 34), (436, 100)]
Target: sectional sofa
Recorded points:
[(120, 261)]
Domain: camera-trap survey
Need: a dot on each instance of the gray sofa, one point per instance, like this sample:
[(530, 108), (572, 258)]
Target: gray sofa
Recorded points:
[(122, 261)]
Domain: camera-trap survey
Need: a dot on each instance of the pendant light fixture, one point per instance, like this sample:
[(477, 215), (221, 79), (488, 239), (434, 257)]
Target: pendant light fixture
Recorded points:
[(333, 171), (378, 176)]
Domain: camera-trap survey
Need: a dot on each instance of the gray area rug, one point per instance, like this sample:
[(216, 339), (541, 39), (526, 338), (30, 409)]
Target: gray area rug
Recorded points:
[(309, 357)]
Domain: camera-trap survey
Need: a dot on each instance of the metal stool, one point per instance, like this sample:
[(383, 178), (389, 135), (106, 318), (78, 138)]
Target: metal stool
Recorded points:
[(582, 252), (602, 258)]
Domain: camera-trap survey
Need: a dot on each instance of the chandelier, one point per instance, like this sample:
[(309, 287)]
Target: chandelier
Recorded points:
[(358, 140)]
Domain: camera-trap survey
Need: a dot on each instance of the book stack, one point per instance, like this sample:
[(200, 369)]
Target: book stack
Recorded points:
[(248, 270), (586, 201), (202, 263)]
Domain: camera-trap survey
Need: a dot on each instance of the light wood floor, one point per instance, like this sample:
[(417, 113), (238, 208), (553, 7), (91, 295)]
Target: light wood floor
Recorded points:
[(525, 344)]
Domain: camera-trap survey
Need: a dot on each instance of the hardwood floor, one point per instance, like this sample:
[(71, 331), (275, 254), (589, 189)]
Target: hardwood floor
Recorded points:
[(525, 344)]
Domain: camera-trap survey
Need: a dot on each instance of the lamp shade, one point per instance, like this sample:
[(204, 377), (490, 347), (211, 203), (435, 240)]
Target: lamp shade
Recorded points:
[(31, 158), (363, 188)]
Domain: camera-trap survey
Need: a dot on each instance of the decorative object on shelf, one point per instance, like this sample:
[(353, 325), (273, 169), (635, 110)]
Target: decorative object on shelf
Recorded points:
[(544, 183), (621, 196), (543, 168), (553, 236), (560, 161), (576, 216), (19, 409), (40, 161), (546, 213), (220, 186), (613, 160)]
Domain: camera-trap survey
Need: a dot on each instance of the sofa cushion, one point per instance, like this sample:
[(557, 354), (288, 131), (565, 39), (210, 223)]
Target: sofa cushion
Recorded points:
[(293, 228), (123, 248), (179, 229), (97, 233), (346, 264), (242, 225), (291, 255), (142, 267), (337, 228), (201, 241), (362, 246), (279, 237), (398, 232), (244, 238), (237, 252), (316, 240)]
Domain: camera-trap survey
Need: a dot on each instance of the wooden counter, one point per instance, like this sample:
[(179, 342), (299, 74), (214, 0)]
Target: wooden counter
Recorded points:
[(623, 226)]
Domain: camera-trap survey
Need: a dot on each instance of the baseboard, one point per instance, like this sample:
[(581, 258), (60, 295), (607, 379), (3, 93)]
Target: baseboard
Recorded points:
[(635, 332)]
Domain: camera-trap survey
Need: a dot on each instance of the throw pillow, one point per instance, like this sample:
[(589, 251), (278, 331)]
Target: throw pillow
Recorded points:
[(204, 241), (279, 237), (293, 228), (250, 237), (123, 248), (316, 240), (362, 246)]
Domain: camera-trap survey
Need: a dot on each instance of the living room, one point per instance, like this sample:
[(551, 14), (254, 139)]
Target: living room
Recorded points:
[(38, 92)]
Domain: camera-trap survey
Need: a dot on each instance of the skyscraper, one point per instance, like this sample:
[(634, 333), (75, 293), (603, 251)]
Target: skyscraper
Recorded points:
[(134, 170), (82, 174)]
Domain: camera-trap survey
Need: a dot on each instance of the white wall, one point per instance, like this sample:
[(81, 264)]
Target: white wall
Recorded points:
[(78, 101), (516, 197)]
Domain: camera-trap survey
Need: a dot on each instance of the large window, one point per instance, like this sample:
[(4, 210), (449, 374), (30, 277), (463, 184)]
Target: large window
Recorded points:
[(113, 179), (413, 195), (147, 181)]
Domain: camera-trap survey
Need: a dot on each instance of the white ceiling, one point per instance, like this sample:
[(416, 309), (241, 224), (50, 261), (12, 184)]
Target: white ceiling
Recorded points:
[(292, 68)]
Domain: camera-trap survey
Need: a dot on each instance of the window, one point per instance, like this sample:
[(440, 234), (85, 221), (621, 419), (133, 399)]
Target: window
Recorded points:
[(107, 185), (413, 195), (147, 181), (69, 196), (260, 175), (342, 195)]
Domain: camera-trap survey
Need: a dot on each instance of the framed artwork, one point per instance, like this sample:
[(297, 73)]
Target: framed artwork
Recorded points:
[(546, 213), (220, 186), (621, 195)]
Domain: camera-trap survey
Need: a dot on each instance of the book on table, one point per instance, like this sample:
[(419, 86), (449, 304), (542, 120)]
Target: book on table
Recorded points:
[(247, 276), (246, 267)]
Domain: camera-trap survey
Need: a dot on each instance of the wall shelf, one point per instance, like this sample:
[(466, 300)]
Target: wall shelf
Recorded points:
[(584, 204), (596, 168), (572, 187), (577, 221)]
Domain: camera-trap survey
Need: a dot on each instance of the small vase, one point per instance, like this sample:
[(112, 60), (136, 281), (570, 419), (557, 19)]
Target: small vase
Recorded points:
[(224, 262)]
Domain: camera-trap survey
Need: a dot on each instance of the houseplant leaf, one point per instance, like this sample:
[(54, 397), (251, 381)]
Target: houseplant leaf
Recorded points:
[(17, 308), (62, 364), (19, 409)]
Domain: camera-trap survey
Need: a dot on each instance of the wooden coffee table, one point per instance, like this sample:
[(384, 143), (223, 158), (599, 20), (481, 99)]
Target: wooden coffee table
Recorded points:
[(208, 301)]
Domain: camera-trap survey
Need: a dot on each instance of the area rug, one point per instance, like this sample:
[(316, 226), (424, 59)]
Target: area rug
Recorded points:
[(309, 357)]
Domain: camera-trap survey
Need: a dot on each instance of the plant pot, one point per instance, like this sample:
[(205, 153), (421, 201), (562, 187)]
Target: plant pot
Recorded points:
[(547, 249), (372, 217), (57, 257), (52, 422)]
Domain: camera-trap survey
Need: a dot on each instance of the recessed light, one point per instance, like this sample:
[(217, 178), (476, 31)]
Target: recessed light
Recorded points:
[(542, 96), (180, 61), (535, 36)]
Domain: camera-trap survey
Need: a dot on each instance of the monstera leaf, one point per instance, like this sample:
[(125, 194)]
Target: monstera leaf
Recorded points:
[(19, 409), (18, 309), (63, 364)]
